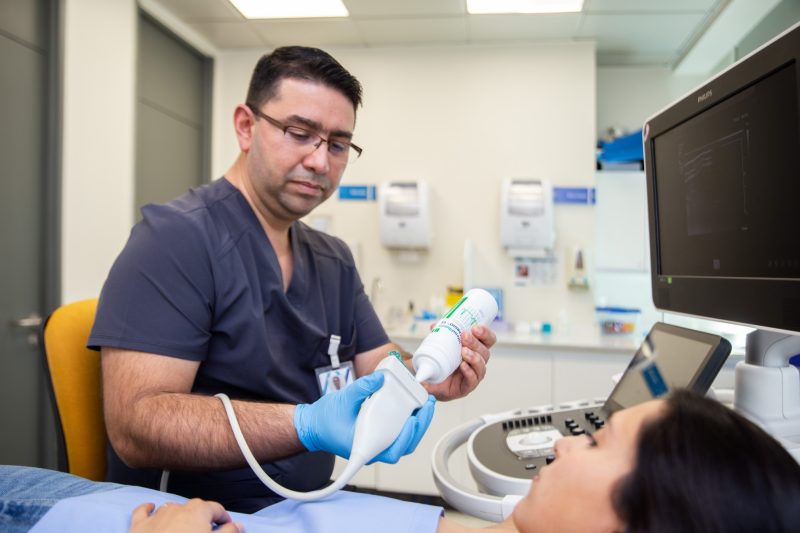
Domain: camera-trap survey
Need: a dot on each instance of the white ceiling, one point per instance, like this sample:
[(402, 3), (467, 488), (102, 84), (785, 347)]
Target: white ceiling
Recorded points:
[(626, 32)]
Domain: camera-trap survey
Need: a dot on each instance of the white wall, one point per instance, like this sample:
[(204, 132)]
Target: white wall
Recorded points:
[(626, 96), (462, 118), (98, 146), (100, 46)]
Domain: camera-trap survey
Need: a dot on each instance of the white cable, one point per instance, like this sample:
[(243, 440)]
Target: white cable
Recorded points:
[(162, 486), (380, 420), (353, 465)]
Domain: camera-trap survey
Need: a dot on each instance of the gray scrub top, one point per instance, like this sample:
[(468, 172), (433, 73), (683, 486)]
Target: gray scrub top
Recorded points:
[(199, 280)]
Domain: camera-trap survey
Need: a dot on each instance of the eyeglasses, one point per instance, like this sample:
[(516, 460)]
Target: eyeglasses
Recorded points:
[(338, 147)]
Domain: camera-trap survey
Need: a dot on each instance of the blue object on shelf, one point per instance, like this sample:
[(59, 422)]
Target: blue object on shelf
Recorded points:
[(626, 148), (617, 319)]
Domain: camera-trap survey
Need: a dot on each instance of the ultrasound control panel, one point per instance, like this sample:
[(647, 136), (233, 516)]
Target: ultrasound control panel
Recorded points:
[(521, 445)]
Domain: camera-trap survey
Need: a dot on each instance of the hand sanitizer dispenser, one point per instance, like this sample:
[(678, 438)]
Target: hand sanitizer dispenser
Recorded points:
[(404, 214), (526, 212)]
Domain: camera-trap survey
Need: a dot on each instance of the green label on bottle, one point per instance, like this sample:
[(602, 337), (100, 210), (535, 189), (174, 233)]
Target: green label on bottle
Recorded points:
[(453, 310)]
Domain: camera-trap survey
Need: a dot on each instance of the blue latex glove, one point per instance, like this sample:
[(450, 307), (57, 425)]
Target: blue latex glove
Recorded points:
[(329, 423), (409, 437)]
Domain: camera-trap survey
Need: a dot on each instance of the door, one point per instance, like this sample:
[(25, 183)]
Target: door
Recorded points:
[(28, 157), (172, 115)]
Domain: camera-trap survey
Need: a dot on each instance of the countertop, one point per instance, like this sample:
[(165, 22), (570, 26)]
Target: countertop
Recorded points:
[(582, 340)]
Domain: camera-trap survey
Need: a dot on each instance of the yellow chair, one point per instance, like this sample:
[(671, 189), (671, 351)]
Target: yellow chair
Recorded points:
[(73, 373)]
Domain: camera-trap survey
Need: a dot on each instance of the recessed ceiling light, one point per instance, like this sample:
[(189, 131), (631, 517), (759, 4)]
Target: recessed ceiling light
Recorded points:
[(483, 7), (288, 9)]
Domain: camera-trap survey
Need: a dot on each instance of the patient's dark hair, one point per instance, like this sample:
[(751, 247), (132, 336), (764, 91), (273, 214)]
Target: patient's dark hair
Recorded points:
[(703, 467), (303, 63)]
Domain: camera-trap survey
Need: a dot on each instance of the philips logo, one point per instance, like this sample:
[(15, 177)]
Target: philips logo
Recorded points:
[(705, 96)]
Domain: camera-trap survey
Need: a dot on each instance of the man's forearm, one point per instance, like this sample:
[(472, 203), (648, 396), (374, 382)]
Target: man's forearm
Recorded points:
[(188, 431)]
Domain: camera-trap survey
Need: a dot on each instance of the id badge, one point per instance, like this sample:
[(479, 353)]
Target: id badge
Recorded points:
[(332, 379)]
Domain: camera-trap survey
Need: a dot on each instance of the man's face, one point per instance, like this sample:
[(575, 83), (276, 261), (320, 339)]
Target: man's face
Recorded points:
[(288, 180)]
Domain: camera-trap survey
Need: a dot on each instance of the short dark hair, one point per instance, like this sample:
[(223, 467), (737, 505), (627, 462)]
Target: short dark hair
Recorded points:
[(703, 467), (304, 63)]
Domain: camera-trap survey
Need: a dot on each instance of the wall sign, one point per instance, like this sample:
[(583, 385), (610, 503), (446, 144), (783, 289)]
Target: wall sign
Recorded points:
[(574, 195), (364, 193)]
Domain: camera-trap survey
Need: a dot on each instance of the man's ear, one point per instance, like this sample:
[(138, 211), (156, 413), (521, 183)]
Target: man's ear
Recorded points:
[(243, 124)]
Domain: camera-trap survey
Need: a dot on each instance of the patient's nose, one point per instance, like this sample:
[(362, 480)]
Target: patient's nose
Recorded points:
[(564, 445)]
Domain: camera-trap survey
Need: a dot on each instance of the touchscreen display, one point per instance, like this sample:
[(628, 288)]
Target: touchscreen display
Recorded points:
[(670, 358)]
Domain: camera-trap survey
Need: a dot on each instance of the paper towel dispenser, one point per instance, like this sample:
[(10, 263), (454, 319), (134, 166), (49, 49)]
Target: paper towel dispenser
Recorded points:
[(526, 214), (404, 214)]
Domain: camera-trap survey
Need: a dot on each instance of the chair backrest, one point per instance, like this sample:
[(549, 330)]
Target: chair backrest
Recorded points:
[(74, 375)]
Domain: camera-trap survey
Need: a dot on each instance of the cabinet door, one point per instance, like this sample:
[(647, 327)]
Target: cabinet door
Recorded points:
[(515, 377), (412, 474), (578, 376)]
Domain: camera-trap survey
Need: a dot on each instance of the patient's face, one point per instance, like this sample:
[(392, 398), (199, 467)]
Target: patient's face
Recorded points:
[(574, 492)]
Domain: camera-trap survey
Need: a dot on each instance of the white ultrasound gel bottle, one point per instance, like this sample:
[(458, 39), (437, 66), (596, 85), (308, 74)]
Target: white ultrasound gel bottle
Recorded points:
[(440, 352)]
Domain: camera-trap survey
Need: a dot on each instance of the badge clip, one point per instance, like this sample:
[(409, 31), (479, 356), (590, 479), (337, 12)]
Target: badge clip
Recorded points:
[(333, 350)]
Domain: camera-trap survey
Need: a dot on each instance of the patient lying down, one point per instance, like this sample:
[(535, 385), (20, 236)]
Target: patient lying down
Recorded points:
[(686, 463)]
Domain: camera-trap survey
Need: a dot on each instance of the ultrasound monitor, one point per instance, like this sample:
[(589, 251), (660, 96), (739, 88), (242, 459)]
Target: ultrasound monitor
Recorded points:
[(723, 188)]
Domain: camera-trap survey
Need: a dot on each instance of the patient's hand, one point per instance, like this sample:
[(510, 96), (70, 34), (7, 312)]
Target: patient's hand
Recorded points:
[(190, 517)]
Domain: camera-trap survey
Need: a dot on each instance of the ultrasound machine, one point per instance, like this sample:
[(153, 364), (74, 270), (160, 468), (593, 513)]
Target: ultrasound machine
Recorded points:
[(723, 188)]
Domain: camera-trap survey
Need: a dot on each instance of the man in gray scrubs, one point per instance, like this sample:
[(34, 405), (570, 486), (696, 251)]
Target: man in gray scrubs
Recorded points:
[(225, 290)]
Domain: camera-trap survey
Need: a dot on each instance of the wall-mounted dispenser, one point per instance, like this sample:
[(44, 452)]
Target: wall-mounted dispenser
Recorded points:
[(526, 213), (404, 214)]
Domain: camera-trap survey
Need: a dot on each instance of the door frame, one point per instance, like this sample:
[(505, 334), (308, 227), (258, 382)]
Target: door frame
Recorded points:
[(51, 237), (50, 234)]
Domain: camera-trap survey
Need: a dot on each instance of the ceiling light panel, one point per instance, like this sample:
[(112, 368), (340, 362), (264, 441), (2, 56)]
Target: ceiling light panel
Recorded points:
[(483, 7), (282, 9)]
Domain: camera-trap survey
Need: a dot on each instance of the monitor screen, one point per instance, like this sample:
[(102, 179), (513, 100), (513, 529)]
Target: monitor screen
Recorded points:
[(723, 172), (670, 357)]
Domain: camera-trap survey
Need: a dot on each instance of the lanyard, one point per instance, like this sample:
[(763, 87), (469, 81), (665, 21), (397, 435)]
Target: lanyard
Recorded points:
[(333, 350)]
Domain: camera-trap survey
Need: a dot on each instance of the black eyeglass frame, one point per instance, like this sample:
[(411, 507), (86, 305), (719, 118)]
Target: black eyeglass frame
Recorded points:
[(284, 127)]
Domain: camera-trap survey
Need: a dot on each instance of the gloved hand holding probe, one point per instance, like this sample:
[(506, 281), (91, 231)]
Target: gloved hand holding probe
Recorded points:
[(329, 423), (383, 416), (380, 417)]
